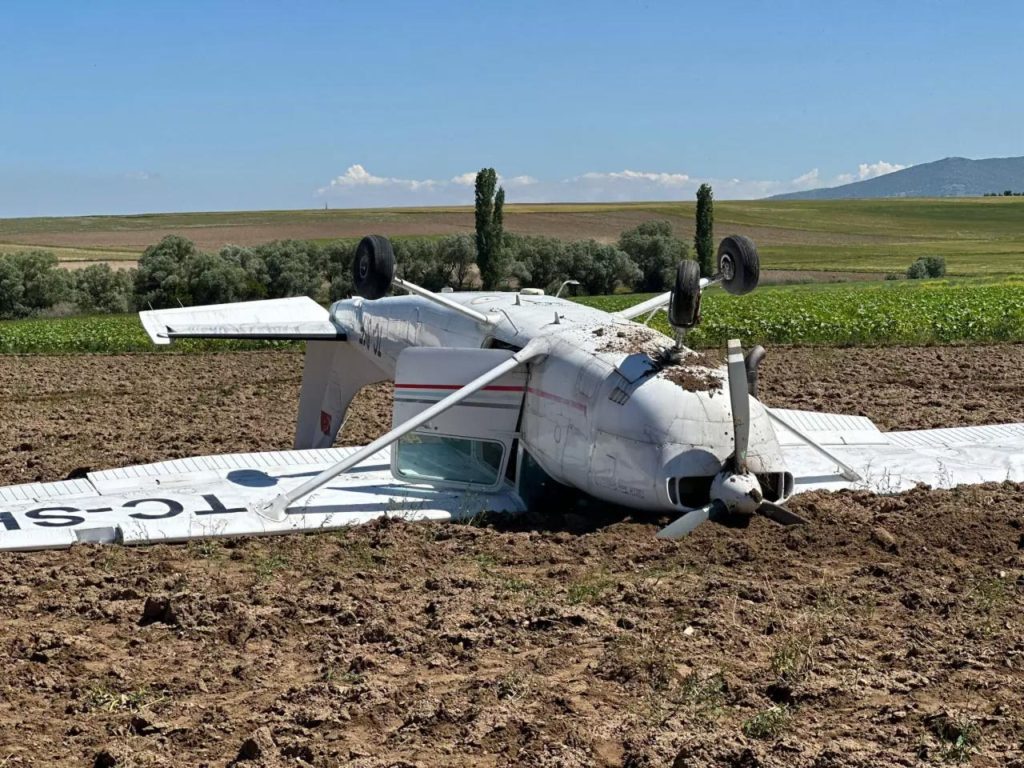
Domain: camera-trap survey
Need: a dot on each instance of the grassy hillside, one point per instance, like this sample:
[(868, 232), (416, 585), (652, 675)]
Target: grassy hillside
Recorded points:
[(978, 236)]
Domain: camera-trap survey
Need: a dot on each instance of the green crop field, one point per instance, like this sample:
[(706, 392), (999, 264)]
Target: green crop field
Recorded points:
[(102, 334), (977, 236), (896, 312)]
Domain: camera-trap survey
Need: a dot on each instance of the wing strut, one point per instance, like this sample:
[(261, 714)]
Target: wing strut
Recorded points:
[(846, 471), (660, 301), (276, 509)]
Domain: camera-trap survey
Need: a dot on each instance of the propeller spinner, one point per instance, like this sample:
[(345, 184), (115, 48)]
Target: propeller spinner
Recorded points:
[(735, 490)]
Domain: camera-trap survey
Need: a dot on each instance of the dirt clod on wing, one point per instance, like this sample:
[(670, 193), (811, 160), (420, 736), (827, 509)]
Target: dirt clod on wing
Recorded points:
[(888, 632), (630, 339), (695, 372)]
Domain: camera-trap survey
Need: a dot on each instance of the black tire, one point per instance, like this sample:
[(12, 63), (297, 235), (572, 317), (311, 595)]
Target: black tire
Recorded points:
[(738, 264), (684, 304), (373, 267)]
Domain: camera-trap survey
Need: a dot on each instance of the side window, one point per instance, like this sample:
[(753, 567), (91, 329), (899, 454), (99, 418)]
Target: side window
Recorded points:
[(425, 458)]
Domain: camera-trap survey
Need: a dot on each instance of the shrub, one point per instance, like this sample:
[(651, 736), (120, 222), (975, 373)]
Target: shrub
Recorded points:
[(100, 289), (292, 268), (336, 260), (538, 262), (257, 279), (418, 262), (456, 254), (174, 272), (30, 281), (599, 267), (656, 252), (11, 288), (927, 266), (211, 279), (161, 279)]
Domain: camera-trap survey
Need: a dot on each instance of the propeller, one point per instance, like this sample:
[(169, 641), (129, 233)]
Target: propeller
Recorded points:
[(685, 525), (734, 491), (780, 514), (739, 398)]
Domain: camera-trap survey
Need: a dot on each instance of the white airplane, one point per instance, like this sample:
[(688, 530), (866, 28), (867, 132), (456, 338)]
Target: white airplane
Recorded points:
[(500, 398)]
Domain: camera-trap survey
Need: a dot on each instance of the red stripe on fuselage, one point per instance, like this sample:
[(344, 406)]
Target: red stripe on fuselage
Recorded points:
[(492, 388), (558, 399)]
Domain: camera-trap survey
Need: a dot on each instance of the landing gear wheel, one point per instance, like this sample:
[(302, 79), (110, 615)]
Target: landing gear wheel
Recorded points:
[(738, 264), (373, 268), (684, 304)]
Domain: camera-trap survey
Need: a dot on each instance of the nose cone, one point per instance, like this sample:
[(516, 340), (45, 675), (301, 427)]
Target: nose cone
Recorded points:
[(693, 429), (673, 430), (688, 416)]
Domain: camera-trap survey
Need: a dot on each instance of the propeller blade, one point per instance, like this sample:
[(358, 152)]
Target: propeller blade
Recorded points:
[(780, 514), (739, 398), (686, 524)]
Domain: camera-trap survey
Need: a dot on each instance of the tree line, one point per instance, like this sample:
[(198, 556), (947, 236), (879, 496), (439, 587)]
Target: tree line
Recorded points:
[(174, 272)]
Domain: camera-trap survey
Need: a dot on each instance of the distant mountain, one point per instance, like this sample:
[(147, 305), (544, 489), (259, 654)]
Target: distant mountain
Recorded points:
[(952, 177)]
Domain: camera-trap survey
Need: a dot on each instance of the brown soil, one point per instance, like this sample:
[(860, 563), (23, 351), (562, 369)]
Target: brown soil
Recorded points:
[(887, 632), (629, 340), (210, 232)]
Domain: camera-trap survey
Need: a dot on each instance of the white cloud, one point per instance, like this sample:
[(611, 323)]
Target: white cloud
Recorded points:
[(141, 176), (808, 180), (357, 176), (663, 179), (517, 181), (467, 179), (360, 188), (868, 171)]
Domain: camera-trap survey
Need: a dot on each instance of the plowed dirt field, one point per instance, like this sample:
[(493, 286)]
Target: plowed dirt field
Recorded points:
[(888, 632)]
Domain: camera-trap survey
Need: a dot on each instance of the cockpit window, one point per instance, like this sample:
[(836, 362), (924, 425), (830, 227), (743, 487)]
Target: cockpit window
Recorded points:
[(437, 458)]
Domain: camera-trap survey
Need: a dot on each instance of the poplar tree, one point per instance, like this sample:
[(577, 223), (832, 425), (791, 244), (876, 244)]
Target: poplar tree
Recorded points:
[(703, 238), (490, 233)]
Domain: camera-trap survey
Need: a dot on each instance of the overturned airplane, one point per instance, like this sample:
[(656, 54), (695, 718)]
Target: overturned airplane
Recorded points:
[(499, 398)]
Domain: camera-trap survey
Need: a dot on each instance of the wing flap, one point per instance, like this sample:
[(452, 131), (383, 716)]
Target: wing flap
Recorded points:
[(829, 429), (988, 435)]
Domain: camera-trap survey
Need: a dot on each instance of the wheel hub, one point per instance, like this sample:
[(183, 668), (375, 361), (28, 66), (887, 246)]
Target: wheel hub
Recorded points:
[(728, 268)]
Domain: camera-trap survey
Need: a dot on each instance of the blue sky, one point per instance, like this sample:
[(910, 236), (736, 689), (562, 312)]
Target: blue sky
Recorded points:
[(116, 107)]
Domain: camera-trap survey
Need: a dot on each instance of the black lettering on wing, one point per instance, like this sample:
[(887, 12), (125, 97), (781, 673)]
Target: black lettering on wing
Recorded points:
[(171, 508), (217, 507), (44, 519)]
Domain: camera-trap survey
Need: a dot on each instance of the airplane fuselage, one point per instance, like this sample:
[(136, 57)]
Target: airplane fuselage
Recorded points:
[(602, 411)]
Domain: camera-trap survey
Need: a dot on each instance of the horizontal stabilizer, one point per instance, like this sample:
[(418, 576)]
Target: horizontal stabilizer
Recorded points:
[(298, 317)]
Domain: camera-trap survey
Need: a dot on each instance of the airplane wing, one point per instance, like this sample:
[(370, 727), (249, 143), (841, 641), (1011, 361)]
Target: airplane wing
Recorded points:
[(298, 317), (256, 493), (214, 496), (889, 462)]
